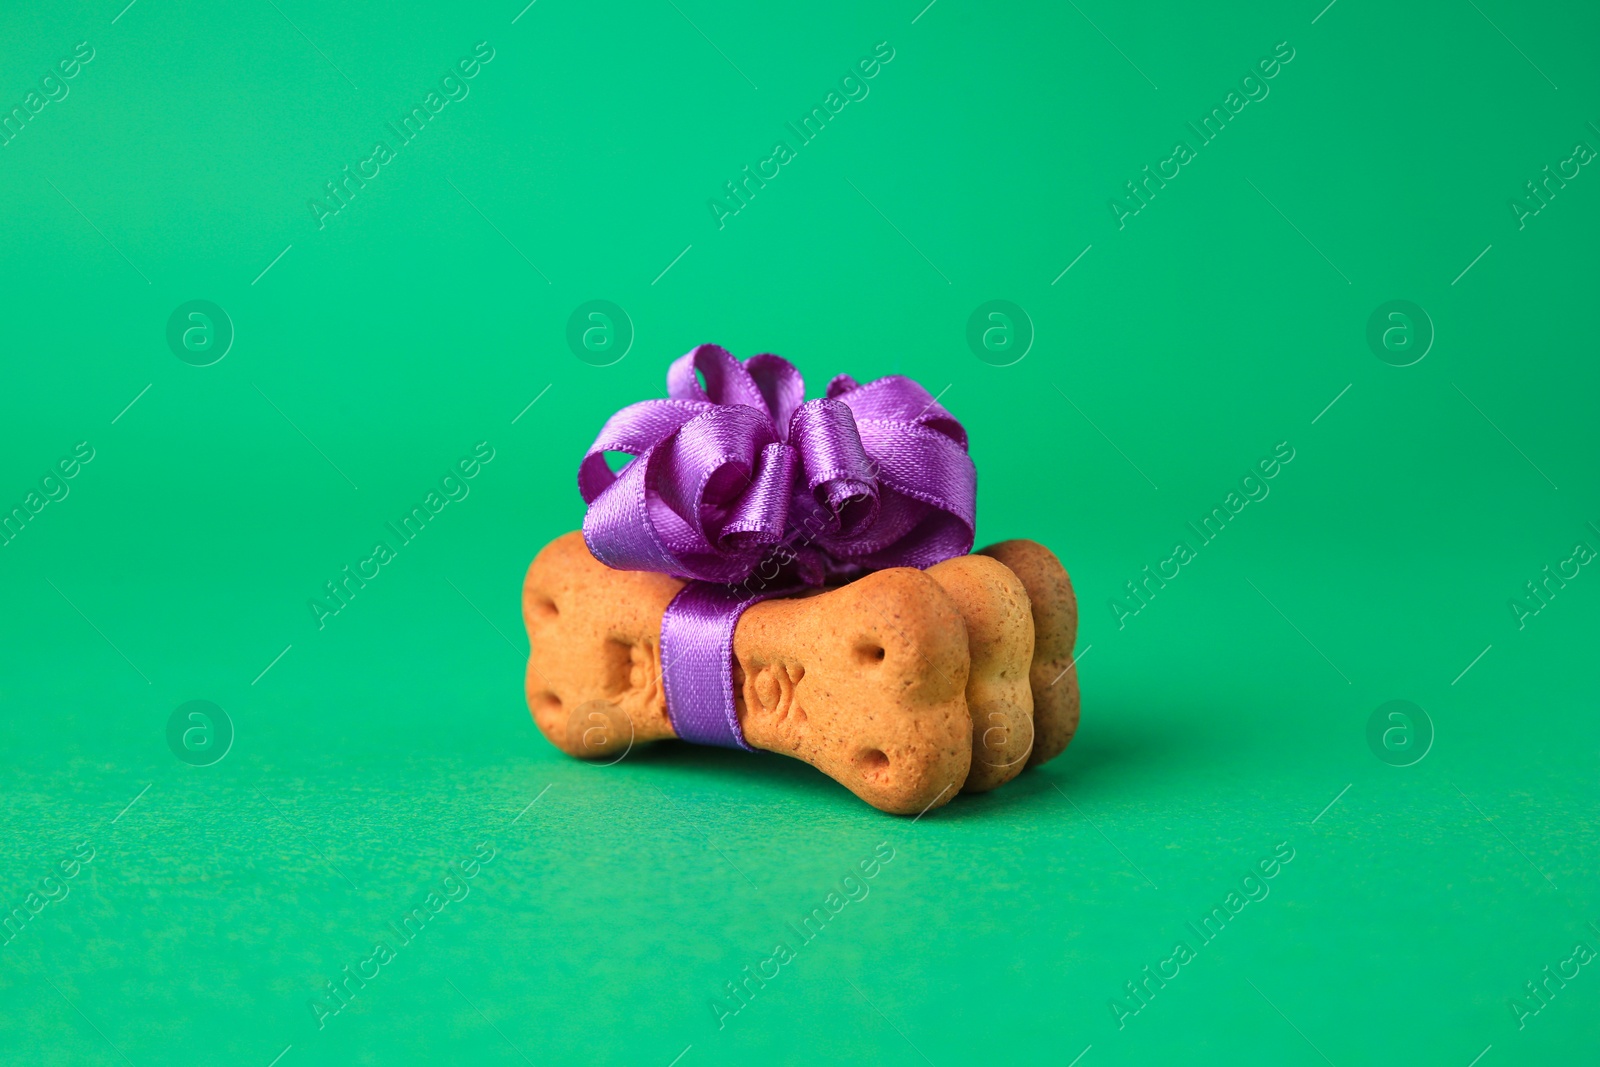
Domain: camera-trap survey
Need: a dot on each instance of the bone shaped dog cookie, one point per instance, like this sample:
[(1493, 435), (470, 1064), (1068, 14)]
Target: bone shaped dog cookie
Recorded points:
[(864, 682), (1022, 695), (1053, 675), (841, 679), (995, 610)]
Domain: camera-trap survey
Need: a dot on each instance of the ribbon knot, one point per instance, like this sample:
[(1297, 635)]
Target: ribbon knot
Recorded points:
[(735, 469)]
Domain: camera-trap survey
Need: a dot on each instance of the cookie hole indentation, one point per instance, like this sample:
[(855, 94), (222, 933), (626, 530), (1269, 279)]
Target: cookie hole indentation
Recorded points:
[(543, 608), (869, 653), (546, 705), (616, 666), (873, 763)]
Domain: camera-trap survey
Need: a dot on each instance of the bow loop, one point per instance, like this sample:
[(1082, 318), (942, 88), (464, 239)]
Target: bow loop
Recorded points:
[(837, 475), (727, 381), (780, 384)]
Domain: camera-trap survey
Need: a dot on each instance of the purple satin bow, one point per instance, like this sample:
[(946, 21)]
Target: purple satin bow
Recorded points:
[(743, 470)]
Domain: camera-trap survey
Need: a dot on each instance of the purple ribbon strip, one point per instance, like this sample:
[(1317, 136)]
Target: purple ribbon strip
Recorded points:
[(697, 662), (742, 474)]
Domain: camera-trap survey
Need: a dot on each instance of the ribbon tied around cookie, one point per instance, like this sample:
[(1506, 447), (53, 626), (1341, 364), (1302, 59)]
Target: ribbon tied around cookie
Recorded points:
[(735, 471)]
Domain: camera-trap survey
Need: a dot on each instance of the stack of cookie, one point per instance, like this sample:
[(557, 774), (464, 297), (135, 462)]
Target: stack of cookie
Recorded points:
[(905, 686)]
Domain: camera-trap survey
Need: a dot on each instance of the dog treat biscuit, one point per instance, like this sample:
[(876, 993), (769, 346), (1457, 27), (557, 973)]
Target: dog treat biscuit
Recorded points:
[(866, 682), (994, 605), (594, 668), (1053, 675)]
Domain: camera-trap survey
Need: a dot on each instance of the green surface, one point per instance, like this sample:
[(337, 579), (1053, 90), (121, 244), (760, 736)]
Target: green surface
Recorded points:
[(1229, 715)]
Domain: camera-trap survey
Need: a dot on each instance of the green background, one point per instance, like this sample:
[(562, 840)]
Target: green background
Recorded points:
[(1228, 716)]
